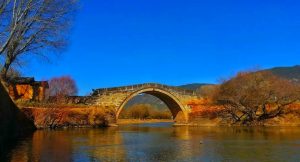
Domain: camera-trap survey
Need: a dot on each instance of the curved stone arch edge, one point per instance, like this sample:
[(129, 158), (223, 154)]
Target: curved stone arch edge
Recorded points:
[(169, 94)]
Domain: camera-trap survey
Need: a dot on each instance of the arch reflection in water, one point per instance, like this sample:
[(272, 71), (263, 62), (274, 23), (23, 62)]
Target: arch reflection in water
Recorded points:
[(160, 142)]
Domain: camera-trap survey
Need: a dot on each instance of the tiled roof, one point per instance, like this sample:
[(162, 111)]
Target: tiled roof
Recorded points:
[(28, 80), (21, 80)]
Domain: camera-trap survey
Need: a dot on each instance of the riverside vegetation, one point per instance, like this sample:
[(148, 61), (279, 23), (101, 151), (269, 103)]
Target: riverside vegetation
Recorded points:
[(249, 98), (53, 115), (58, 115)]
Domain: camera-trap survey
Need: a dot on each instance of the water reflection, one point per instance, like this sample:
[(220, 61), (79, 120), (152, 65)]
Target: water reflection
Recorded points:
[(159, 142)]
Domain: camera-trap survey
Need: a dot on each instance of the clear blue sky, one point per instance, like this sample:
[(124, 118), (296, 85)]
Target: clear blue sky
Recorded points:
[(174, 42)]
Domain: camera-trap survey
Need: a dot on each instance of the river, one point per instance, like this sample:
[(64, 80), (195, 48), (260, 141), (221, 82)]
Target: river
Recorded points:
[(158, 142)]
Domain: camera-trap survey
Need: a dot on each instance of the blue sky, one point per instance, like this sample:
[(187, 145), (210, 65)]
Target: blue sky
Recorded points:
[(174, 42)]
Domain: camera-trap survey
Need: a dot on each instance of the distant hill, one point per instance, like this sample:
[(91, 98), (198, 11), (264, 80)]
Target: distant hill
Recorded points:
[(146, 99), (291, 73)]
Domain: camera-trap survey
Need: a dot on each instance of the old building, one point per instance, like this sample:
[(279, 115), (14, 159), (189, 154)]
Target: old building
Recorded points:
[(26, 88)]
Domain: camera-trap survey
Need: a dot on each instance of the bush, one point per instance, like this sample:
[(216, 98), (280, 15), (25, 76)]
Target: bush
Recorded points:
[(253, 97), (61, 87)]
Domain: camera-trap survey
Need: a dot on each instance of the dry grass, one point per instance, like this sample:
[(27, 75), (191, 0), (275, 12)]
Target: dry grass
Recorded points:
[(69, 117), (36, 104), (205, 113), (204, 108)]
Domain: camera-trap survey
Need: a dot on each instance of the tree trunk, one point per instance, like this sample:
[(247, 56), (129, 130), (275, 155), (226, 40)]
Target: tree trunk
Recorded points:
[(4, 70)]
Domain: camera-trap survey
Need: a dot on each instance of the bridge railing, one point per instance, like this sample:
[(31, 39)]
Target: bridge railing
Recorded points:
[(141, 86)]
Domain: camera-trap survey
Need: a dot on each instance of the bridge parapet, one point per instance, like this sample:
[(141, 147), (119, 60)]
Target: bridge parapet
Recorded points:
[(131, 88)]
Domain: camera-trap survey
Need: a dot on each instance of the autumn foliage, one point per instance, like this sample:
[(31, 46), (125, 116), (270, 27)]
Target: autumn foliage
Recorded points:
[(204, 108), (249, 98), (253, 97)]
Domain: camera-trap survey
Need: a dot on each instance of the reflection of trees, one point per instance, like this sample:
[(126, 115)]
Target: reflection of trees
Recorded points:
[(67, 145), (52, 146), (151, 143), (45, 146), (105, 144)]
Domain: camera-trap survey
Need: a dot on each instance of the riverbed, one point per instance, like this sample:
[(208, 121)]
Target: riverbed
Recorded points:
[(158, 142)]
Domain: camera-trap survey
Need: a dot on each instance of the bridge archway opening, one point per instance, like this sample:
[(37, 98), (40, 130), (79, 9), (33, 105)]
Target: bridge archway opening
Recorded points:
[(179, 115), (145, 106)]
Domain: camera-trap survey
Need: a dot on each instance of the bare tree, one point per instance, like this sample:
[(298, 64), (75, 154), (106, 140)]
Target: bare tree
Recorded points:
[(33, 27), (62, 87), (251, 98)]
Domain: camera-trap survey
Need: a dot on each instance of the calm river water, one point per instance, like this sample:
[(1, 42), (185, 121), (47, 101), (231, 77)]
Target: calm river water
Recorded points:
[(159, 142)]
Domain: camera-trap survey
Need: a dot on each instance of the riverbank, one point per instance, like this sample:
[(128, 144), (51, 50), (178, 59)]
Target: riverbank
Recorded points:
[(288, 120), (205, 113), (13, 123), (140, 121), (99, 117), (71, 116)]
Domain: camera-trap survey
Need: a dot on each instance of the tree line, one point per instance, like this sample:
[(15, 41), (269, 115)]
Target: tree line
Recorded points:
[(144, 111)]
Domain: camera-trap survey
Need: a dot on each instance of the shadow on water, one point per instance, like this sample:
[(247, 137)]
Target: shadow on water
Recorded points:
[(158, 142), (8, 145)]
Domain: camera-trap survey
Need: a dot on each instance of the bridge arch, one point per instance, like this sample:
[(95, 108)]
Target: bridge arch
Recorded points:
[(178, 110)]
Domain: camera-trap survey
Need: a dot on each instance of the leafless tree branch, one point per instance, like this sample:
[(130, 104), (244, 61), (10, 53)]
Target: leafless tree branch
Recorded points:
[(33, 27)]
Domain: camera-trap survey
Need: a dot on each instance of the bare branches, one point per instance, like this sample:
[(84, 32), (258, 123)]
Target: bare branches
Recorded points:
[(61, 87), (33, 27), (254, 97), (3, 5)]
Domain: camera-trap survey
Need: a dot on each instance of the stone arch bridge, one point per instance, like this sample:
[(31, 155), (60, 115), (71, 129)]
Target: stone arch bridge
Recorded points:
[(175, 98)]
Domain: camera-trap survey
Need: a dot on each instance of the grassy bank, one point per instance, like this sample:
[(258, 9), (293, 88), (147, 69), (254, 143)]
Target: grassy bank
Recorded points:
[(205, 113), (71, 116)]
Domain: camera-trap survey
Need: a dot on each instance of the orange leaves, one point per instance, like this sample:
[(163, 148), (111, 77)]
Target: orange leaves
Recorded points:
[(204, 107)]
